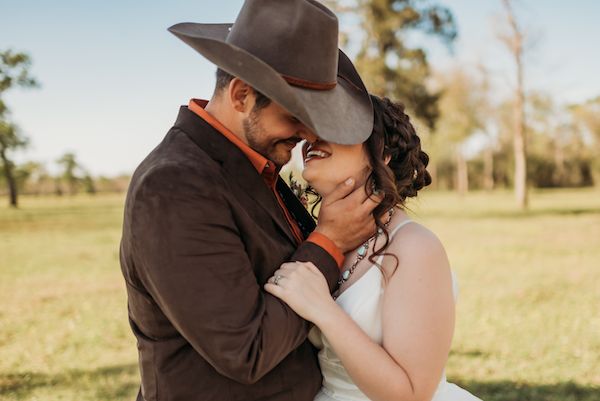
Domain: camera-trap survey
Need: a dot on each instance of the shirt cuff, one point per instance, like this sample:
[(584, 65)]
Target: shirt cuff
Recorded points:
[(328, 245)]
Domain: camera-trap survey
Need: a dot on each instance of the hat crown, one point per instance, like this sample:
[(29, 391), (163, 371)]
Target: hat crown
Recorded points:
[(281, 32)]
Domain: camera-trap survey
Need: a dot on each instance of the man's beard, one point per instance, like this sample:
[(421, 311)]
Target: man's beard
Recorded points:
[(257, 140)]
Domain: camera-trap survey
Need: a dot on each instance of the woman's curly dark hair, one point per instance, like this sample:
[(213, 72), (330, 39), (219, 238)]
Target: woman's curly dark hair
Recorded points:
[(393, 137)]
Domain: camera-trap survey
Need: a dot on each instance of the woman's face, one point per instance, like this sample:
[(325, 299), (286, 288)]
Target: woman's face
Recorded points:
[(327, 165)]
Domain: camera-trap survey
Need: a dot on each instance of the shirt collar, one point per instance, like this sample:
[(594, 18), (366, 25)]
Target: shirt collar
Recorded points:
[(263, 166)]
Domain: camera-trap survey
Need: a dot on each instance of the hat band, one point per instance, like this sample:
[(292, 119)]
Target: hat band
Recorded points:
[(308, 84)]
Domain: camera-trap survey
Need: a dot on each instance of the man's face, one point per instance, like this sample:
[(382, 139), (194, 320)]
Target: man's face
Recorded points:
[(273, 132)]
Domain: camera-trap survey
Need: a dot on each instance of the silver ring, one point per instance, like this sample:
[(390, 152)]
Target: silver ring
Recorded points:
[(277, 278)]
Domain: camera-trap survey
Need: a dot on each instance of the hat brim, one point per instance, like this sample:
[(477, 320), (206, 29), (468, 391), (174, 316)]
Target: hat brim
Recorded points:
[(341, 115)]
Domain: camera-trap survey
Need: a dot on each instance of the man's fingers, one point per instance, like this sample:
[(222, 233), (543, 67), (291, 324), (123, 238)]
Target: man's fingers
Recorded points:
[(370, 204), (358, 196), (376, 197), (341, 191)]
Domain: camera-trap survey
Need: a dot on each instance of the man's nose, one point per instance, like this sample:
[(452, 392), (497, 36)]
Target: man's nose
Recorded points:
[(308, 135)]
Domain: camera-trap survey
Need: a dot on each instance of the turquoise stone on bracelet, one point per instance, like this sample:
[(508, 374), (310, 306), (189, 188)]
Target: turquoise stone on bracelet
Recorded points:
[(362, 251), (346, 275)]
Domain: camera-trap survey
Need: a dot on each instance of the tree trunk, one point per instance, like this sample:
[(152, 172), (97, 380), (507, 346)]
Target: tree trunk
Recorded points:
[(462, 174), (57, 187), (10, 179), (559, 160), (520, 140), (72, 187), (488, 169)]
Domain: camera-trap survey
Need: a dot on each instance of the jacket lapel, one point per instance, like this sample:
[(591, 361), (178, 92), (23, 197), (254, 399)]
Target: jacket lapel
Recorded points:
[(296, 209), (238, 170)]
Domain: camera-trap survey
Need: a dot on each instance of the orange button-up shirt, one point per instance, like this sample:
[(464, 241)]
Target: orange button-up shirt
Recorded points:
[(270, 174)]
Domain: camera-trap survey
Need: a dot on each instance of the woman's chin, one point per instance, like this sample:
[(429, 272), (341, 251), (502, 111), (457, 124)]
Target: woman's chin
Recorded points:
[(313, 183), (320, 188)]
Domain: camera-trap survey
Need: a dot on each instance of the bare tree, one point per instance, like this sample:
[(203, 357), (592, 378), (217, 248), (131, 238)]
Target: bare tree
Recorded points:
[(488, 126), (514, 41)]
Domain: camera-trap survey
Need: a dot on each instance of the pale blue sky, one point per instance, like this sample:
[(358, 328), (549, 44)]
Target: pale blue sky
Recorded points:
[(113, 77)]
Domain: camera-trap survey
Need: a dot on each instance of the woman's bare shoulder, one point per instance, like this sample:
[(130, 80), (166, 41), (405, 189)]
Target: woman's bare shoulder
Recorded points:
[(416, 246)]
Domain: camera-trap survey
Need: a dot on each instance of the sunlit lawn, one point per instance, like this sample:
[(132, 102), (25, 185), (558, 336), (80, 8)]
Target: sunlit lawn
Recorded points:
[(528, 323)]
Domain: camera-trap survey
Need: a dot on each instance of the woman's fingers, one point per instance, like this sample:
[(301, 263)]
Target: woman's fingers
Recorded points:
[(312, 268), (273, 289), (287, 266), (292, 272)]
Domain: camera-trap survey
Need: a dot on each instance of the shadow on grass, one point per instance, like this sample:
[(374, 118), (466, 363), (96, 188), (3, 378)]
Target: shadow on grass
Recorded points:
[(471, 353), (108, 383), (515, 391), (121, 383)]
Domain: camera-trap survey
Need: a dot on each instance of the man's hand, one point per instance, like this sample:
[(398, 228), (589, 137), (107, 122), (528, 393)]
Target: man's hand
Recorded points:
[(346, 216)]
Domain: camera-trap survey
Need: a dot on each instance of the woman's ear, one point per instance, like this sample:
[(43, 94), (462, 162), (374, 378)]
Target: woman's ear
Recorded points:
[(387, 159), (241, 96)]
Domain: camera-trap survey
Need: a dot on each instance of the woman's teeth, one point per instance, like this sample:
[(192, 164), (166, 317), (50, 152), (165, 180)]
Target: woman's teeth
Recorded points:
[(317, 153)]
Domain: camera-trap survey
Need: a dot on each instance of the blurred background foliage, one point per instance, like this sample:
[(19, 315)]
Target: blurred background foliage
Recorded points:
[(527, 259)]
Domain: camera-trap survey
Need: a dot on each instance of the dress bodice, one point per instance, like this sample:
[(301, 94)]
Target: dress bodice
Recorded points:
[(363, 302)]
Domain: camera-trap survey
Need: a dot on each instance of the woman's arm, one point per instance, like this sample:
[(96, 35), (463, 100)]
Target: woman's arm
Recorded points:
[(418, 320)]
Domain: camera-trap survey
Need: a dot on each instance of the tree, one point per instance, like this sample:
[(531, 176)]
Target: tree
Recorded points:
[(9, 139), (586, 117), (88, 184), (31, 177), (489, 126), (547, 131), (460, 118), (388, 65), (71, 167), (14, 71), (514, 40)]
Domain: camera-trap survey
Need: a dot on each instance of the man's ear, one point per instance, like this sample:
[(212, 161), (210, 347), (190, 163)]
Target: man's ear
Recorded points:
[(241, 96)]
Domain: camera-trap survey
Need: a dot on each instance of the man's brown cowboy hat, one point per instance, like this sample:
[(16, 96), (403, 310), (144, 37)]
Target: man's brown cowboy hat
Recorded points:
[(287, 50)]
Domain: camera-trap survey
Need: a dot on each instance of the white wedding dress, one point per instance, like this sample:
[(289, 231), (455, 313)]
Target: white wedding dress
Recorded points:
[(363, 302)]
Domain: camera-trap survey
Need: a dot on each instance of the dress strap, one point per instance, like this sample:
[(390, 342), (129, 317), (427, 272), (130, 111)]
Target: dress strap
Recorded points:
[(398, 227), (391, 234)]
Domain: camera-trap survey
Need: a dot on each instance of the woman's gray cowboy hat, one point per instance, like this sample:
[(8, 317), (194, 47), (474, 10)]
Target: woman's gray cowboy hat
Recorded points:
[(288, 50)]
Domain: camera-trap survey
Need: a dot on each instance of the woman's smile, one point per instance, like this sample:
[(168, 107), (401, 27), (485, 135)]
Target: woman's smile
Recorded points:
[(312, 151)]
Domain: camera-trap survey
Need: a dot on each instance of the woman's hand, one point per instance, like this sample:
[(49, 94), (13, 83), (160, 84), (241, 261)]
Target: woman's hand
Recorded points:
[(304, 288)]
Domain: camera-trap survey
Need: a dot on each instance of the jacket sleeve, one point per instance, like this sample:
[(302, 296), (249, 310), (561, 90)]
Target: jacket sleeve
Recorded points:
[(191, 259)]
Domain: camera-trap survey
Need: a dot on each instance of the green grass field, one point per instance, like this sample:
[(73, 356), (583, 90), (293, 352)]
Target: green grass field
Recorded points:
[(528, 324)]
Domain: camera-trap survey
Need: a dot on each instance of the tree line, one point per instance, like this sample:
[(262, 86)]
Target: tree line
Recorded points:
[(32, 177), (475, 138), (71, 178)]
